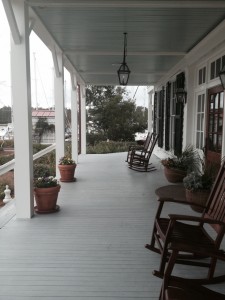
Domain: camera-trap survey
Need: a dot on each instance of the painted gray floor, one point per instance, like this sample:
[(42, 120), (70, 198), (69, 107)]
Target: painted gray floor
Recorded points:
[(94, 247)]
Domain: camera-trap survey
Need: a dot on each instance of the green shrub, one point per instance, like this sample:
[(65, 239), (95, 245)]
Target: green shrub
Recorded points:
[(49, 160), (39, 147), (8, 144), (4, 159), (41, 170), (95, 138), (108, 147), (68, 149)]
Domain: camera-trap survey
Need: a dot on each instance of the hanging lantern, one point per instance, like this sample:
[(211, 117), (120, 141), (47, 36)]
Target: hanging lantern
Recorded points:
[(124, 71)]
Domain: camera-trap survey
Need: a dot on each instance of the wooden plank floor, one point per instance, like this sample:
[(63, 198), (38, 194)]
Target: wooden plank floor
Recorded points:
[(94, 247)]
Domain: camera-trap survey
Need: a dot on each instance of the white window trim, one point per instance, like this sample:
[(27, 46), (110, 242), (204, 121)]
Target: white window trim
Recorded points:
[(197, 94), (215, 81)]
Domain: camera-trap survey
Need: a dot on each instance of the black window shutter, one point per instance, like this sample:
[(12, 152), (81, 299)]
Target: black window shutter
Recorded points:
[(155, 114), (161, 118), (167, 116), (178, 128), (180, 83)]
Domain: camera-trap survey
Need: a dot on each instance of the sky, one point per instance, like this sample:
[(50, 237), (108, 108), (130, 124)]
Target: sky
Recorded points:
[(41, 70)]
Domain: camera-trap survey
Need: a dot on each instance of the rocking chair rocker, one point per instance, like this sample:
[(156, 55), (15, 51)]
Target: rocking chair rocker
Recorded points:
[(186, 289)]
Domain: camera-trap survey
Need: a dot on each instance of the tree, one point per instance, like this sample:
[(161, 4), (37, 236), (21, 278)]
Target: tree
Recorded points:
[(42, 127), (5, 115), (113, 115)]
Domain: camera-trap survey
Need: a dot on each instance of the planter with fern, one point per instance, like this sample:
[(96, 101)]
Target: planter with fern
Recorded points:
[(198, 186), (177, 167)]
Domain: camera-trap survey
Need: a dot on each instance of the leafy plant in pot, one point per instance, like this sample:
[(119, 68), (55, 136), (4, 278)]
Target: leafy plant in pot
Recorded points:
[(46, 189), (67, 168), (177, 167), (198, 186)]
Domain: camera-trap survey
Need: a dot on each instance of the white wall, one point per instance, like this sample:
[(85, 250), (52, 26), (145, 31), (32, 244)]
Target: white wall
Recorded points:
[(210, 48)]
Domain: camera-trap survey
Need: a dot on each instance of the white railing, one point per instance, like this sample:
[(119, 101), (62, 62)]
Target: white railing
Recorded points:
[(11, 164)]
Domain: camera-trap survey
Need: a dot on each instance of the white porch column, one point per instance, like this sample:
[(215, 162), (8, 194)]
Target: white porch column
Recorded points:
[(83, 120), (74, 99), (21, 99), (59, 108), (150, 98)]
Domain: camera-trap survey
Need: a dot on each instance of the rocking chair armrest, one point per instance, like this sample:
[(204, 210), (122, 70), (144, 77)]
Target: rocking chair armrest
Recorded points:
[(194, 219), (185, 202), (181, 247), (172, 200)]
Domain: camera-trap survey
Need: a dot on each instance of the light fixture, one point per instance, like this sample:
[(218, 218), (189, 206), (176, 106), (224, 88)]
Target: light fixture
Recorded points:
[(180, 95), (124, 71), (222, 77)]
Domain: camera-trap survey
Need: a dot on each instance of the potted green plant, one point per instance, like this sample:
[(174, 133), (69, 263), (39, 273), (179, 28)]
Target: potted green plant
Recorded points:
[(46, 189), (198, 186), (67, 168), (177, 167)]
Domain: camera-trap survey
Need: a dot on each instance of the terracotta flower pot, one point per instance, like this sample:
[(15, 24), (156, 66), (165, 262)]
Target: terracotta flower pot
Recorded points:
[(46, 199), (199, 197), (174, 175), (67, 173)]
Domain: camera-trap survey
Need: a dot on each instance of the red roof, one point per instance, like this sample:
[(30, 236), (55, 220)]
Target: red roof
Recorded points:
[(43, 113)]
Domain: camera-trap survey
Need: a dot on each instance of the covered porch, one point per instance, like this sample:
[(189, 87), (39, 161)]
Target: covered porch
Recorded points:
[(94, 247), (166, 40)]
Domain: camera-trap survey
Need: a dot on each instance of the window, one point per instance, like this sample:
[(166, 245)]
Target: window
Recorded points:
[(216, 66), (201, 76), (200, 121)]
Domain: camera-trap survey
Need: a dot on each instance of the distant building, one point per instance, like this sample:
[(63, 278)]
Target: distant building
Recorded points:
[(48, 137), (47, 114)]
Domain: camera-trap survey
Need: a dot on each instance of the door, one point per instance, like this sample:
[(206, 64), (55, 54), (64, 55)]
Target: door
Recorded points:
[(214, 127)]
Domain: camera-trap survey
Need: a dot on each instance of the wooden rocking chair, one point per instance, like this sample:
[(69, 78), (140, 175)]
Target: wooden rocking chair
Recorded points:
[(180, 229), (186, 289), (141, 150), (178, 289), (140, 161)]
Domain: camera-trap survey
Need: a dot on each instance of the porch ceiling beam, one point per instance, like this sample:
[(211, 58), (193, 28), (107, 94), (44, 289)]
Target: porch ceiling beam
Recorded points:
[(127, 4), (113, 73), (56, 64), (12, 21), (149, 53), (101, 83), (31, 25), (73, 81)]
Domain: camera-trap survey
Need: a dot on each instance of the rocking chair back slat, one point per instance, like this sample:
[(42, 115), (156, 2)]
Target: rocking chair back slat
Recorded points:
[(139, 150), (147, 141), (216, 201), (152, 146)]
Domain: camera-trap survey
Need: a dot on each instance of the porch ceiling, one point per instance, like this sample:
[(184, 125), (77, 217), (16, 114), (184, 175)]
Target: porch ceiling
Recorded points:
[(160, 33)]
